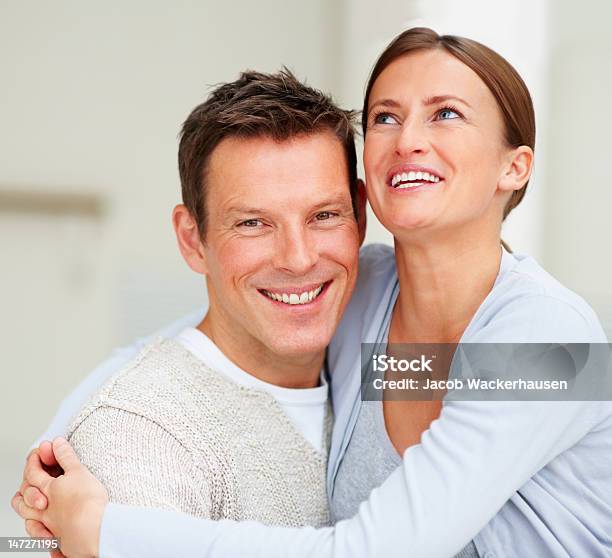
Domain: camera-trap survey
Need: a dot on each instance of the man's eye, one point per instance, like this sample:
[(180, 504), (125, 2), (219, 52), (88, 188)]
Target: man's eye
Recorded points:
[(250, 223), (324, 215)]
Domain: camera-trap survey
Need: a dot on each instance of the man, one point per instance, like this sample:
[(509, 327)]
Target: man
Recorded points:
[(230, 419)]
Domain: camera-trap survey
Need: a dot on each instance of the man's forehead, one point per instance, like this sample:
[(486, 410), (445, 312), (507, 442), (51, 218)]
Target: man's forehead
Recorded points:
[(268, 147), (250, 173)]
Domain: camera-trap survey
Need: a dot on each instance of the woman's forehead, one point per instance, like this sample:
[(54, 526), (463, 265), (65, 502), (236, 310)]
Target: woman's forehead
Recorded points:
[(425, 74)]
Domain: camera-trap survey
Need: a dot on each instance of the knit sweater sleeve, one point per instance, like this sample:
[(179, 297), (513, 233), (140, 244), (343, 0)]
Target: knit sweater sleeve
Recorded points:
[(140, 463)]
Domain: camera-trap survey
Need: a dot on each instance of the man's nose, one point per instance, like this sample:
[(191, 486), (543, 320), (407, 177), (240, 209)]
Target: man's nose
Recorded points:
[(412, 139), (296, 251)]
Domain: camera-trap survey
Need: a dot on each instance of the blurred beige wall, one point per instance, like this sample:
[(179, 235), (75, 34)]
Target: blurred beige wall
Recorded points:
[(91, 102), (578, 206)]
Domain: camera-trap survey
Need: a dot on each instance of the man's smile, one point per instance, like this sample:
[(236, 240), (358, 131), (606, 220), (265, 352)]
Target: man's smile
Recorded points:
[(296, 295)]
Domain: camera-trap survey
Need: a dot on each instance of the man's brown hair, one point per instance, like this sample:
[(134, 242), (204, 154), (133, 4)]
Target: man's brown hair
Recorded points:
[(277, 106)]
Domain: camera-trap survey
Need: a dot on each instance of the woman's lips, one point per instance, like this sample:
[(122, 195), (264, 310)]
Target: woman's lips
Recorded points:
[(414, 187), (408, 174)]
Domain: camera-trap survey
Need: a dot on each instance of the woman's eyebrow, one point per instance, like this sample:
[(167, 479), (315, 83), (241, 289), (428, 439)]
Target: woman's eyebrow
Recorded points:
[(385, 103), (432, 100), (436, 99)]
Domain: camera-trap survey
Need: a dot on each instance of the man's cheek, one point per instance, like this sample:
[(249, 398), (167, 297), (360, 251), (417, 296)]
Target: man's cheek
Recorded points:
[(344, 246)]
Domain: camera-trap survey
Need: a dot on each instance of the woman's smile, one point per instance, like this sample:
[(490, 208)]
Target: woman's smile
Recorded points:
[(412, 178)]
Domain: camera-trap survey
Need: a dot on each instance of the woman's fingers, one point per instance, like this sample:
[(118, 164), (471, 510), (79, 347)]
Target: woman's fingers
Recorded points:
[(45, 450), (34, 474), (34, 497), (23, 510), (65, 455), (37, 529)]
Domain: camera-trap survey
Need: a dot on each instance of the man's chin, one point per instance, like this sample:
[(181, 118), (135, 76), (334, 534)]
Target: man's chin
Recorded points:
[(296, 344)]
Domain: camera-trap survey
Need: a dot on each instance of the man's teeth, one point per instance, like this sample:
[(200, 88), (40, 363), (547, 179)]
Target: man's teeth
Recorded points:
[(401, 178), (294, 298)]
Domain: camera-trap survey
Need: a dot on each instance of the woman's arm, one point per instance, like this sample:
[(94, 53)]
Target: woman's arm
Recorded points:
[(471, 460)]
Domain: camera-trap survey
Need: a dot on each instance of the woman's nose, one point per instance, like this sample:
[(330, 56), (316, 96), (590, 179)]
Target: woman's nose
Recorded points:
[(411, 139)]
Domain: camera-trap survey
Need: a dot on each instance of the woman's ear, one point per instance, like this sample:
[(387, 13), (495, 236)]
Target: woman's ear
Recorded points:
[(361, 203), (517, 170), (188, 238)]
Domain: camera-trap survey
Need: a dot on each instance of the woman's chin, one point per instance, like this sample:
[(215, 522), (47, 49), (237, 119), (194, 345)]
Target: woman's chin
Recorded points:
[(404, 225)]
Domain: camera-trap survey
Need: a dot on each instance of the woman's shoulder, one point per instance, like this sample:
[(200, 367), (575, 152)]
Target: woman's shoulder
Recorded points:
[(527, 304), (377, 271), (376, 260)]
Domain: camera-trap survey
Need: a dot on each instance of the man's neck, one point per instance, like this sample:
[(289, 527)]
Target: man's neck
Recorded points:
[(289, 371)]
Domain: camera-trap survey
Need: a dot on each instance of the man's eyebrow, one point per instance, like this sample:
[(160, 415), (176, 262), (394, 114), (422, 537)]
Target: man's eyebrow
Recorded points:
[(339, 200), (244, 209), (436, 99)]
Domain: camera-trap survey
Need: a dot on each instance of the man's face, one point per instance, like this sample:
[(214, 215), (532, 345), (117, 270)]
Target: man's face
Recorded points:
[(281, 244)]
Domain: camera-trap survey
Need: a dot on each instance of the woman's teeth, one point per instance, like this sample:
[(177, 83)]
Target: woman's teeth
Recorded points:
[(295, 298), (412, 178)]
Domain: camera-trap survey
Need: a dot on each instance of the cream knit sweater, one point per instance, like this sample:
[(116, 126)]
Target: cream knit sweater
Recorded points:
[(170, 432)]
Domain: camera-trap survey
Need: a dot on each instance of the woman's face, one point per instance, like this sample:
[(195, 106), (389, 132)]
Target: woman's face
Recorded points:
[(434, 150)]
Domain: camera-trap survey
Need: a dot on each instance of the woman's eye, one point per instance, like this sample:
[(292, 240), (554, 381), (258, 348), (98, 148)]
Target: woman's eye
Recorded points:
[(384, 118), (448, 114)]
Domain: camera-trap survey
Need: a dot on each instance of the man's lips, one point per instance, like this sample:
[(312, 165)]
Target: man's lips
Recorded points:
[(296, 296)]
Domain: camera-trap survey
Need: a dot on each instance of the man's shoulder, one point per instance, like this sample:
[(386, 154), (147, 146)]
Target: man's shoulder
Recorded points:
[(165, 380), (162, 370)]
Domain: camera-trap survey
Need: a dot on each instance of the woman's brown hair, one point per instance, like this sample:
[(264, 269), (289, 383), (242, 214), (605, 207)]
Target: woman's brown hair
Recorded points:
[(496, 72)]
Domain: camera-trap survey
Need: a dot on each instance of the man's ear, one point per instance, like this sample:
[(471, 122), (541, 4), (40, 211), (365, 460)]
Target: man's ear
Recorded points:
[(518, 169), (188, 238), (362, 201)]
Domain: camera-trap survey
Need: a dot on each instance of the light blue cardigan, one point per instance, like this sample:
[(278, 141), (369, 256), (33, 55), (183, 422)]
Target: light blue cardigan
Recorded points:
[(523, 479)]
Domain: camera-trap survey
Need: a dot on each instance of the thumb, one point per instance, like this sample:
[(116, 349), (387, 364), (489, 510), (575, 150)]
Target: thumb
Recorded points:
[(45, 452), (65, 455)]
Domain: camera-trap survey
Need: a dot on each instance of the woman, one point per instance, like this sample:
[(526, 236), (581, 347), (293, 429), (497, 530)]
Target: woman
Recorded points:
[(449, 137)]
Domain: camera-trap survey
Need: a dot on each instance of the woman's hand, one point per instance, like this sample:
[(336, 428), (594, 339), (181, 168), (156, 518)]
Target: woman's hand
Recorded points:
[(69, 507)]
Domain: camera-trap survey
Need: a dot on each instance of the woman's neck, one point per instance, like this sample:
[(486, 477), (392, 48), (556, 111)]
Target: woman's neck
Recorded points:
[(442, 284)]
